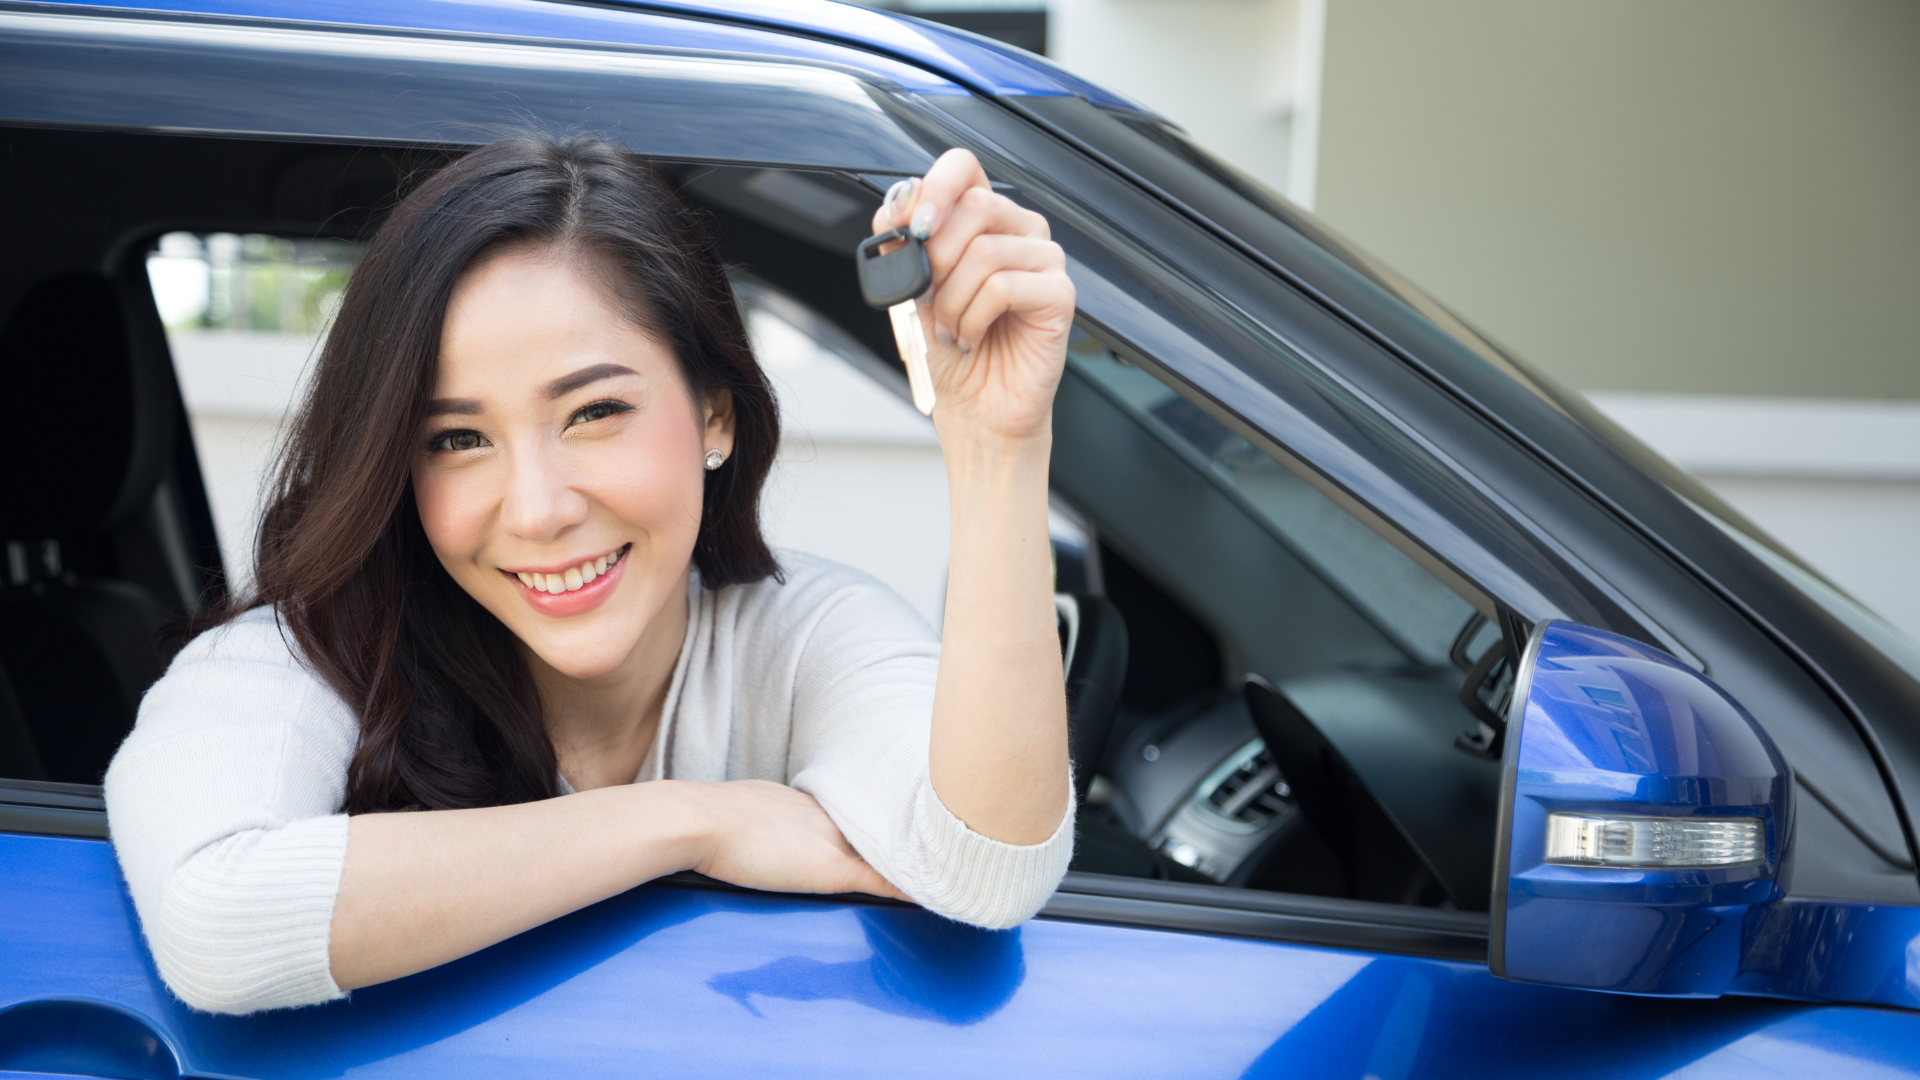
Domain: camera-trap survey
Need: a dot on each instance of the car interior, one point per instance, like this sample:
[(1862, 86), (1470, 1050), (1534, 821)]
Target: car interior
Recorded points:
[(1269, 689)]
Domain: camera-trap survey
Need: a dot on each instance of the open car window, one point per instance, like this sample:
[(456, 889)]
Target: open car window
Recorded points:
[(1218, 560)]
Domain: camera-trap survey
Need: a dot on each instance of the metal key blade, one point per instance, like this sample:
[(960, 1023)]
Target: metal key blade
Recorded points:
[(912, 340)]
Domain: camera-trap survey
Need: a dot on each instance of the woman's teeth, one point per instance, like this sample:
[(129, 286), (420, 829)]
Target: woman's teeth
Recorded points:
[(572, 577)]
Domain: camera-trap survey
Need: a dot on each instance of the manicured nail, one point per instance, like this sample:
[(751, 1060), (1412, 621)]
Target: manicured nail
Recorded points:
[(942, 334), (922, 225), (963, 345), (894, 194)]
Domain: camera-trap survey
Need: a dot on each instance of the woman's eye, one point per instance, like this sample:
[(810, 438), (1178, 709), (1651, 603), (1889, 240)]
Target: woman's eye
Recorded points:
[(599, 410), (457, 440)]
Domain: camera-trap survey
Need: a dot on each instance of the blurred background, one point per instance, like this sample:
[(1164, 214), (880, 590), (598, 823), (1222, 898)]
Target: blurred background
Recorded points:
[(1703, 213)]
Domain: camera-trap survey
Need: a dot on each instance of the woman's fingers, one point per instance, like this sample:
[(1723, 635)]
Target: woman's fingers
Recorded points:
[(925, 202), (868, 880), (956, 173), (1020, 293), (965, 297), (979, 212), (775, 838)]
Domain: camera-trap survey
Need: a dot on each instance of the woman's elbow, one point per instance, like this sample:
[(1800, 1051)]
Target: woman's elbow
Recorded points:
[(219, 960)]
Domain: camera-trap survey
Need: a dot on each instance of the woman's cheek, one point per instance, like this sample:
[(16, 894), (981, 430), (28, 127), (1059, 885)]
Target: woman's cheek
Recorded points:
[(655, 483), (453, 506)]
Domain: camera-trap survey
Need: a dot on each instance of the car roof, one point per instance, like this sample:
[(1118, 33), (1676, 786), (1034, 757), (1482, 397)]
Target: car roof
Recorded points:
[(918, 55)]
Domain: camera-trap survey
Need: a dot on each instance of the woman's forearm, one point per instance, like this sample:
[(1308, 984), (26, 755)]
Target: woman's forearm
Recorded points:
[(421, 889), (999, 749)]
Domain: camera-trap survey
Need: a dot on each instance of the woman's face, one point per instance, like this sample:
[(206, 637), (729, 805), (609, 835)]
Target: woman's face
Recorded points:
[(559, 475)]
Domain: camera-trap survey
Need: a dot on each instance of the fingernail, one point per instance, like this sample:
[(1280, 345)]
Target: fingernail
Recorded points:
[(941, 334), (894, 194), (964, 345), (922, 225)]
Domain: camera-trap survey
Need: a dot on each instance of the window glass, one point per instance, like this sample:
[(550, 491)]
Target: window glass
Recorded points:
[(1420, 613)]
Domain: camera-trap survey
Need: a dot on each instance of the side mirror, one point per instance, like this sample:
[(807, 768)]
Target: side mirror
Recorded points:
[(1642, 812)]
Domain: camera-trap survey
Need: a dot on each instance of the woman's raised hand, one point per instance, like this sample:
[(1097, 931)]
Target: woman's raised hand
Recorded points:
[(1001, 304)]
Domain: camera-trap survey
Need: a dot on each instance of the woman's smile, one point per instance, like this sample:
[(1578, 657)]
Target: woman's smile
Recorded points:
[(577, 588)]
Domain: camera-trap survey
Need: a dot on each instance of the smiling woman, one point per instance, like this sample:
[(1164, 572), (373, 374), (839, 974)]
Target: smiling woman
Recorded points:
[(517, 643)]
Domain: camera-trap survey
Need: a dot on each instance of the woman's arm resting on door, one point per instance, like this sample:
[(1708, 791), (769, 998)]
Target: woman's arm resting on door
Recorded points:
[(421, 889)]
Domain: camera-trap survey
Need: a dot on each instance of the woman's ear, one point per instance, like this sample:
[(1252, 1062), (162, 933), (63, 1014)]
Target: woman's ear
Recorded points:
[(719, 422)]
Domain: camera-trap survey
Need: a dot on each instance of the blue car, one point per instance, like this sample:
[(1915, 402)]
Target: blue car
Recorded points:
[(1427, 725)]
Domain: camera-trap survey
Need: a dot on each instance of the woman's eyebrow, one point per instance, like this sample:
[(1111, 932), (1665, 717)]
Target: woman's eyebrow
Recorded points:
[(567, 384), (462, 406)]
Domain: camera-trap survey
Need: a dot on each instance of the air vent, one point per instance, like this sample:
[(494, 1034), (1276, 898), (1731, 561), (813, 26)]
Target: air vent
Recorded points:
[(1254, 793)]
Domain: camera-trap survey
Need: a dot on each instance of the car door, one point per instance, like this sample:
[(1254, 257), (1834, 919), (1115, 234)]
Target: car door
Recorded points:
[(1118, 975)]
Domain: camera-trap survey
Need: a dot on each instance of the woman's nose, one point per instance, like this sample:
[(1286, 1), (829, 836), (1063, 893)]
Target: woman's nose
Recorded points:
[(541, 503)]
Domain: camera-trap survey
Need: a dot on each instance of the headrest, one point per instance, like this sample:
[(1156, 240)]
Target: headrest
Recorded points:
[(86, 417)]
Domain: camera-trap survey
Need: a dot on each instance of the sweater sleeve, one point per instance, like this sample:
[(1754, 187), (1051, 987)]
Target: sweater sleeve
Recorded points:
[(225, 810), (861, 728)]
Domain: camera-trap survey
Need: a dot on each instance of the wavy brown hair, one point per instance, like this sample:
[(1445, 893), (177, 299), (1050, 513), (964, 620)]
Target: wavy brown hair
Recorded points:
[(448, 712)]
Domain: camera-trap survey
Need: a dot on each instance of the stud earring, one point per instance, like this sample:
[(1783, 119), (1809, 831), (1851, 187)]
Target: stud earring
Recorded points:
[(714, 459)]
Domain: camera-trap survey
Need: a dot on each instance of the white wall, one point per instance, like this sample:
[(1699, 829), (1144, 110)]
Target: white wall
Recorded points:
[(1241, 76)]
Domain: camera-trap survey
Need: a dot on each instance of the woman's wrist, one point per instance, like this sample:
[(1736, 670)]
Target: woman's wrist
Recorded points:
[(975, 455), (687, 826)]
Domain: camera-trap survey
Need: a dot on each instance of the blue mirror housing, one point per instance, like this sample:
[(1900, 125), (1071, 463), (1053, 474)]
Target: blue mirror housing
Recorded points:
[(1642, 812)]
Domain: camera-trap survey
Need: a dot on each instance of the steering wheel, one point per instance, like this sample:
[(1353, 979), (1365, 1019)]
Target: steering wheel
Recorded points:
[(1093, 645)]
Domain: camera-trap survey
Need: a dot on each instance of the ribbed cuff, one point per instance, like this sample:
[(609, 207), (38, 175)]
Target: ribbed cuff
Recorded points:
[(244, 922), (979, 880)]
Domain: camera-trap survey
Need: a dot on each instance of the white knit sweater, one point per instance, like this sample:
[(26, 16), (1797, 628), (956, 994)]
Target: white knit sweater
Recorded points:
[(225, 802)]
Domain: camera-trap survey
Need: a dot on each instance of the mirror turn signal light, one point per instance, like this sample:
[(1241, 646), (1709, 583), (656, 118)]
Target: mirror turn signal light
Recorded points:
[(1660, 843)]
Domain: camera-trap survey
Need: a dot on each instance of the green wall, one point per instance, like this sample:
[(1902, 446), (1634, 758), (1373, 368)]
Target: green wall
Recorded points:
[(1700, 196)]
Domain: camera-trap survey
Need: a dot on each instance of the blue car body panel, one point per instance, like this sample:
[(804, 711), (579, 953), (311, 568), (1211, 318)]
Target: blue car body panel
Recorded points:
[(697, 982), (919, 56)]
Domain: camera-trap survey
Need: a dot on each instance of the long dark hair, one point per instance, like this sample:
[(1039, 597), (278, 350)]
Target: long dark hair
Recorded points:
[(449, 716)]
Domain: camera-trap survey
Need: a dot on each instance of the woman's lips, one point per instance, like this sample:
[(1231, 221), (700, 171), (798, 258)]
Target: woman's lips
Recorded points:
[(587, 597)]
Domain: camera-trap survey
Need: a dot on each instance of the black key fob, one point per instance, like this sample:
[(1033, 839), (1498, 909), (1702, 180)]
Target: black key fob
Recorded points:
[(897, 276)]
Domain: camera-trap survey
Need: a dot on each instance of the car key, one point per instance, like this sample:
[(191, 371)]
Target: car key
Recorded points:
[(891, 281)]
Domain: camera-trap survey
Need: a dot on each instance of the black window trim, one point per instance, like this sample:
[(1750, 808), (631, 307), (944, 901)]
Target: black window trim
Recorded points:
[(47, 808)]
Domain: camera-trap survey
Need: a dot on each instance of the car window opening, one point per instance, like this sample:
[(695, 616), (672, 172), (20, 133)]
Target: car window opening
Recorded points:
[(1266, 692)]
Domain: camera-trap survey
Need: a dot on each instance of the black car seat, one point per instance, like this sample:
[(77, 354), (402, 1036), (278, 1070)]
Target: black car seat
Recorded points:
[(87, 428)]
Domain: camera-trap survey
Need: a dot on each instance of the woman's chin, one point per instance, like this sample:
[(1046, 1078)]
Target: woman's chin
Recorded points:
[(596, 662)]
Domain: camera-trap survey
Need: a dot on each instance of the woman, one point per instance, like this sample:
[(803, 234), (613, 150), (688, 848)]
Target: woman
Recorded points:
[(512, 584)]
